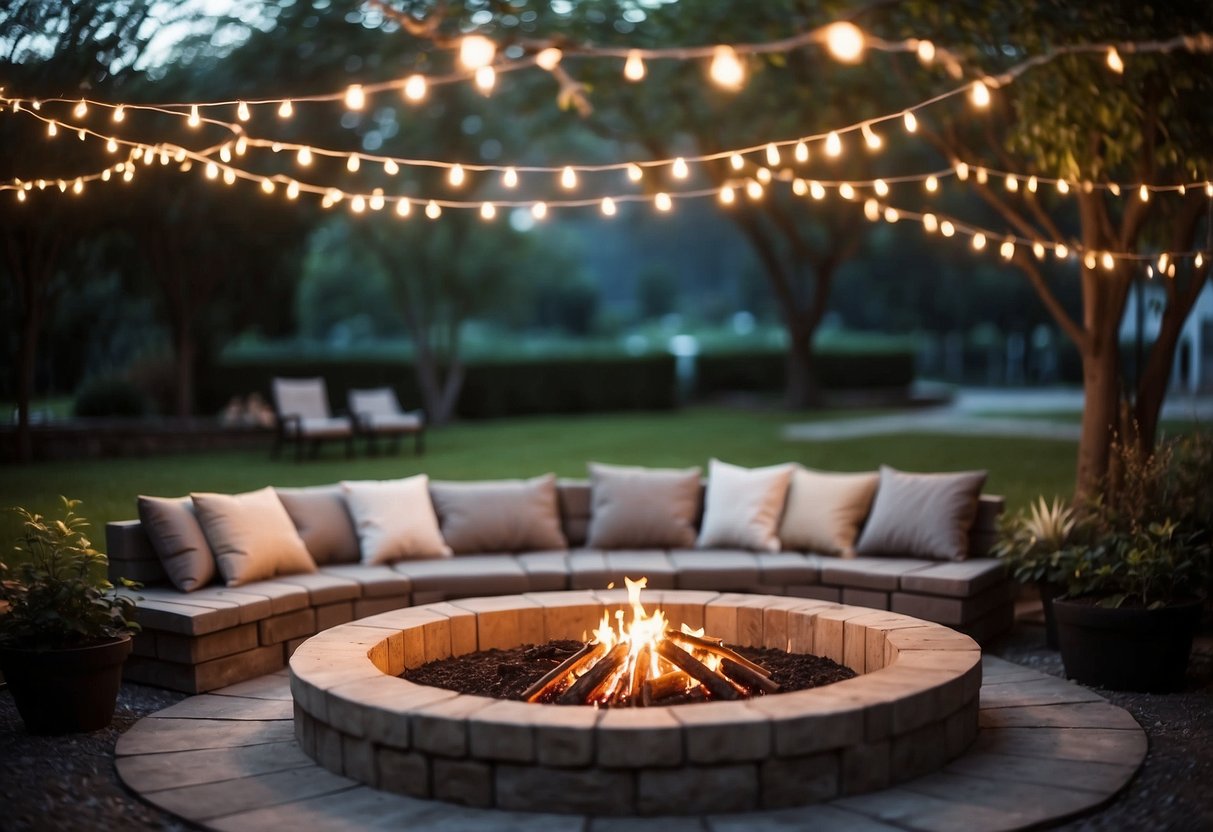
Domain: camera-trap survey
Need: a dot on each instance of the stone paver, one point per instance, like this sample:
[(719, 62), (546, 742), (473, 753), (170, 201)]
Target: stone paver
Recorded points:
[(158, 734), (208, 706)]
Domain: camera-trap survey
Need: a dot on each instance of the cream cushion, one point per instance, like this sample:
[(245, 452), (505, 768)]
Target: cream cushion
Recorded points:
[(922, 515), (252, 536), (178, 541), (824, 510), (395, 519), (642, 508), (743, 506), (323, 521), (499, 516)]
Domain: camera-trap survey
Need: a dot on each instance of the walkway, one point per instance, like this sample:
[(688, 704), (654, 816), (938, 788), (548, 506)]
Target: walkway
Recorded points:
[(1048, 749)]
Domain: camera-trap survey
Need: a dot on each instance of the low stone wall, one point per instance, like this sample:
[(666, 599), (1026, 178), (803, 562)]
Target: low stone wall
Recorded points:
[(912, 709)]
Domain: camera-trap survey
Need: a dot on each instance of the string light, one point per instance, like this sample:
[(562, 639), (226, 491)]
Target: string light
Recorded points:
[(1032, 184), (1038, 249), (1007, 249), (870, 138), (286, 109), (292, 190), (633, 67), (679, 169), (608, 206), (433, 210), (911, 122), (727, 197), (845, 41), (212, 170), (1107, 261), (568, 179), (635, 174), (1060, 251), (1063, 187), (455, 176), (304, 156), (846, 191), (539, 210), (926, 51), (242, 111), (979, 241), (1144, 193), (194, 120), (802, 152), (932, 184), (476, 51), (52, 129), (930, 223), (229, 176), (890, 215), (509, 178), (983, 176), (833, 144), (663, 202), (736, 162), (871, 210), (726, 70), (979, 94), (415, 88), (119, 113), (353, 163), (753, 190), (1114, 61), (80, 109), (355, 98), (962, 171), (487, 211), (376, 201), (817, 190), (1012, 184), (390, 167), (403, 208), (764, 175), (1089, 260), (880, 187), (946, 228), (267, 186), (548, 58), (773, 158), (358, 204), (111, 146), (486, 79)]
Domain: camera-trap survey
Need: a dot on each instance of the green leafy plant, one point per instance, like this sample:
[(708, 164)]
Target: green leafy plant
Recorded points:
[(1153, 565), (1035, 545), (56, 594)]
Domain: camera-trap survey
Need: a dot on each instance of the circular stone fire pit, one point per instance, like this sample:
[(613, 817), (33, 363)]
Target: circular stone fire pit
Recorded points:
[(911, 710)]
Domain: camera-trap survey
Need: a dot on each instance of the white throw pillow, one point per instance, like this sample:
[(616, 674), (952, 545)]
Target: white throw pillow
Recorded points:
[(395, 519), (825, 511), (743, 506), (252, 536)]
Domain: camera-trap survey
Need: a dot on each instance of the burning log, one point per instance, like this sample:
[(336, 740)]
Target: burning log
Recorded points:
[(745, 677), (583, 689), (717, 648), (640, 672), (718, 686), (661, 688), (554, 677)]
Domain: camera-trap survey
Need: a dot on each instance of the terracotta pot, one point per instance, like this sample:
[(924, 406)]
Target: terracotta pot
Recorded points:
[(1128, 648), (66, 691)]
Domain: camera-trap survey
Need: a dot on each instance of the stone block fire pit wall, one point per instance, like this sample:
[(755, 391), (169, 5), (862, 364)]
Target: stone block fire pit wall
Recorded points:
[(912, 709)]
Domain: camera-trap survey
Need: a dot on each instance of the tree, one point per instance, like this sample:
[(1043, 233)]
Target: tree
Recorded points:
[(1076, 119)]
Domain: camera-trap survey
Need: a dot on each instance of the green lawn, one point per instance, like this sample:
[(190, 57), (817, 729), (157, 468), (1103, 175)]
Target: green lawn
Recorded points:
[(1019, 468)]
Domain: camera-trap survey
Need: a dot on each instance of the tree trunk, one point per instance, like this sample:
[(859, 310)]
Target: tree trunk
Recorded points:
[(1100, 416), (803, 389)]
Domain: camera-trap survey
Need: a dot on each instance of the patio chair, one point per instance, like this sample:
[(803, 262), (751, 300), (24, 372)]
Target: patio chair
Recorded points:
[(377, 412), (302, 409)]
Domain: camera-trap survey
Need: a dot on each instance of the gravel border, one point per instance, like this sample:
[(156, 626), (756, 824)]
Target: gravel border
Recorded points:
[(69, 783)]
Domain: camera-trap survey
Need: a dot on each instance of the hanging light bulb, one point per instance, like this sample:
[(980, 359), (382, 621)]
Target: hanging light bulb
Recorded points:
[(1038, 249), (726, 70), (106, 174), (880, 187), (946, 228), (932, 184), (930, 223), (727, 197), (635, 174), (548, 58), (1114, 61), (1162, 263), (736, 162), (979, 241), (1209, 189), (800, 187), (403, 207), (979, 94), (225, 153), (304, 156), (568, 179), (753, 190), (242, 111), (1114, 188), (353, 163), (1063, 187), (679, 169), (911, 122), (1199, 260), (846, 191), (376, 202), (871, 210), (415, 89), (663, 202), (817, 190), (962, 171), (891, 215), (358, 204), (833, 144), (509, 178), (633, 67), (1088, 260), (1144, 193), (292, 190), (355, 98), (52, 129), (21, 196), (870, 138), (1107, 261), (1181, 189), (539, 210), (194, 120), (286, 109), (1012, 183), (983, 176), (455, 176), (119, 113), (390, 167), (608, 206), (267, 186), (845, 41), (212, 170), (764, 175), (80, 110), (1032, 184), (229, 176), (926, 51), (487, 211), (802, 152), (1007, 250), (433, 210), (476, 51), (1060, 251), (241, 146), (78, 186), (773, 155), (111, 146), (486, 79)]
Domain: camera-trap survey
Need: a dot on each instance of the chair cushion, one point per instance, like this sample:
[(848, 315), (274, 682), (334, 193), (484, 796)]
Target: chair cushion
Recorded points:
[(957, 580), (178, 541), (395, 519), (825, 510), (323, 521), (499, 516), (642, 508), (252, 536), (470, 575), (305, 398), (723, 570), (922, 515), (870, 572), (373, 581), (595, 569), (788, 568), (546, 571), (743, 506), (319, 428)]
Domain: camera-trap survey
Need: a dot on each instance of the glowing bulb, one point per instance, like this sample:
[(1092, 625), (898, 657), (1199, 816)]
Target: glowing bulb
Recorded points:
[(926, 51), (727, 197), (80, 110), (476, 51), (983, 176), (979, 241), (52, 129), (225, 153), (929, 223), (870, 138), (1038, 249), (1209, 189), (304, 156), (802, 152), (1032, 184), (871, 210), (891, 215), (932, 184), (539, 210), (456, 176), (21, 196), (509, 178), (1007, 250), (292, 190), (764, 175), (548, 58), (242, 112), (817, 190), (179, 156), (946, 228), (663, 202), (1063, 187), (358, 204), (1199, 260), (433, 210), (229, 176), (353, 163), (194, 120), (376, 201), (111, 146), (911, 122), (979, 94), (962, 171), (1107, 261), (568, 179), (119, 113), (267, 186), (1144, 193), (800, 187), (78, 186), (845, 41), (1088, 260), (833, 144), (415, 88), (486, 79), (772, 155), (633, 67), (881, 187), (241, 146), (753, 190), (355, 98), (128, 174), (1162, 262), (1061, 251), (1114, 61), (403, 208), (726, 70), (286, 109), (1114, 189), (212, 170), (1012, 183), (390, 167), (679, 169), (1181, 189), (608, 206), (846, 191), (736, 162), (487, 211), (635, 173)]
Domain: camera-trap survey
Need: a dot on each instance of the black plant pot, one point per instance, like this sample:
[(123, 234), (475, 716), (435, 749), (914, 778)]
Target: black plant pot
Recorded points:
[(1126, 649), (66, 691), (1048, 592)]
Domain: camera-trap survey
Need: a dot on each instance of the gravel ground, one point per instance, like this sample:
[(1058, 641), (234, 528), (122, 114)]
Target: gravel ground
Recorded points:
[(69, 783)]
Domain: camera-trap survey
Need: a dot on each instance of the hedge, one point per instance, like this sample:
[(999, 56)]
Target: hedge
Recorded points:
[(764, 371)]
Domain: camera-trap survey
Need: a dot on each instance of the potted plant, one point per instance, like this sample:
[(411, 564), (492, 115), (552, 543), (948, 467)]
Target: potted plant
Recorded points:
[(64, 633), (1034, 546), (1133, 597)]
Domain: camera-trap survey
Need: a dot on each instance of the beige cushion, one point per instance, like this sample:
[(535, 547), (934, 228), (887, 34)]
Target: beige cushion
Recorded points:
[(642, 508), (252, 536), (499, 516), (323, 521), (923, 515), (743, 506), (178, 541), (395, 519), (824, 511)]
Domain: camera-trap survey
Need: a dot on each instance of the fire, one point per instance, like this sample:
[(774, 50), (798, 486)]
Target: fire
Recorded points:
[(644, 662)]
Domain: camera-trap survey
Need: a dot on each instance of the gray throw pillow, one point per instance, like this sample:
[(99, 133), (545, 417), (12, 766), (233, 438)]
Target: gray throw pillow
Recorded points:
[(642, 508), (323, 521), (178, 541), (499, 515), (922, 515)]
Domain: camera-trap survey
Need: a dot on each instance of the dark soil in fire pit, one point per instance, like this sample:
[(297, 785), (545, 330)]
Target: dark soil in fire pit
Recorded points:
[(505, 674)]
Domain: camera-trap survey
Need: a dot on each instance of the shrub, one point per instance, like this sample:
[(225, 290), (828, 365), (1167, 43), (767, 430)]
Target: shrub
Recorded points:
[(110, 396)]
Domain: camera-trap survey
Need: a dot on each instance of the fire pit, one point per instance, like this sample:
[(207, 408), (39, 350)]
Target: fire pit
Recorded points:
[(912, 707)]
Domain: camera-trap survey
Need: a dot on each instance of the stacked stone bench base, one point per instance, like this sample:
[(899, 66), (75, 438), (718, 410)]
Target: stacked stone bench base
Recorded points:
[(913, 708)]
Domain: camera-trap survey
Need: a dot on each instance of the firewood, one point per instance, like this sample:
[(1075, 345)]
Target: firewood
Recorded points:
[(660, 687), (695, 694), (742, 675), (579, 692), (717, 648), (640, 672), (556, 675), (718, 686)]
